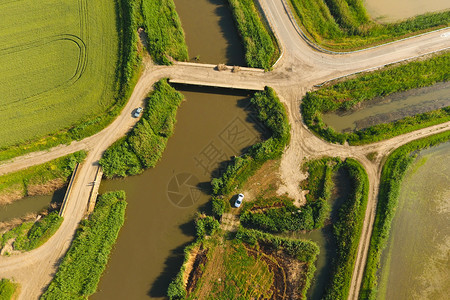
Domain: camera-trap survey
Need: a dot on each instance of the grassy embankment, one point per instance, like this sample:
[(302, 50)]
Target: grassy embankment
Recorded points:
[(280, 215), (261, 48), (7, 289), (165, 35), (272, 114), (39, 179), (80, 270), (392, 175), (364, 87), (81, 105), (251, 265), (345, 24), (145, 144), (31, 235)]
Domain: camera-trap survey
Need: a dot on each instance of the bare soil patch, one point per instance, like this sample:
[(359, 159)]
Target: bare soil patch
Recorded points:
[(264, 183), (199, 262)]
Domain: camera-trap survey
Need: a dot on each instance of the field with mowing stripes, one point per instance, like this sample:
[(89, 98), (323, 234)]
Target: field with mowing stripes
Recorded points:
[(57, 65)]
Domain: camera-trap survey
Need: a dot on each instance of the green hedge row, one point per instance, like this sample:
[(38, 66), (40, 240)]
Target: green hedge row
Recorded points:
[(145, 144), (392, 175), (165, 34), (80, 270), (347, 230), (398, 78), (31, 235), (280, 215), (261, 48), (273, 114), (346, 25)]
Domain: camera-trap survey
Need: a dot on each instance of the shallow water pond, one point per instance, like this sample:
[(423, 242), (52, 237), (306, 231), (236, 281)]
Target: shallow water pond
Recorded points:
[(390, 108)]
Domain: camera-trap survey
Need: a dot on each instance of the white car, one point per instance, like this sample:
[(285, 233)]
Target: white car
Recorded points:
[(239, 200), (137, 112)]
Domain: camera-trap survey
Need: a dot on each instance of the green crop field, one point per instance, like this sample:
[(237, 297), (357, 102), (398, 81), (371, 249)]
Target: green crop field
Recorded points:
[(57, 65)]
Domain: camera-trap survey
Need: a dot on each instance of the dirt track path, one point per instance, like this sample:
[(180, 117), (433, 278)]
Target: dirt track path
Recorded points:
[(299, 69)]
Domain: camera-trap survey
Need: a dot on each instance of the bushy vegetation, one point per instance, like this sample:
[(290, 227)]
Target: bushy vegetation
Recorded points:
[(261, 48), (31, 235), (144, 145), (165, 35), (345, 24), (273, 114), (60, 168), (7, 289), (78, 69), (206, 225), (80, 270), (392, 175), (397, 78), (277, 215)]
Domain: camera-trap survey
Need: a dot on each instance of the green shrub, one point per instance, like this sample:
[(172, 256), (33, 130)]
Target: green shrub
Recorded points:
[(80, 270), (348, 93), (7, 289), (219, 206), (39, 232), (206, 226), (391, 177)]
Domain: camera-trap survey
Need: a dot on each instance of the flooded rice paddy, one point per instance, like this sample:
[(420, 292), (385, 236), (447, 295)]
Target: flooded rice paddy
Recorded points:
[(415, 264), (162, 202), (391, 11), (390, 108)]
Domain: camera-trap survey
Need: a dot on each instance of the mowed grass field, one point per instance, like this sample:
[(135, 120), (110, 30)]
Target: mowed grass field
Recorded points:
[(57, 65)]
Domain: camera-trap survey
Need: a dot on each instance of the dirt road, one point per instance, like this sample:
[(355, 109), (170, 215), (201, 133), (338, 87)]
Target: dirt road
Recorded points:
[(300, 68)]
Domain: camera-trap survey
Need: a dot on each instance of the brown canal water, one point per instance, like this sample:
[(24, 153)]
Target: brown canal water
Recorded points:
[(390, 11), (31, 204), (324, 237), (162, 202), (416, 262), (390, 108), (211, 34)]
